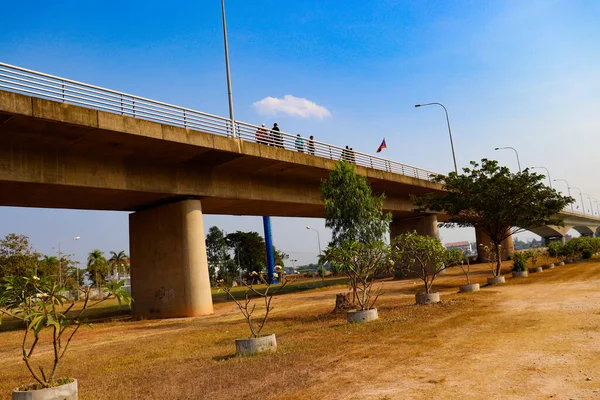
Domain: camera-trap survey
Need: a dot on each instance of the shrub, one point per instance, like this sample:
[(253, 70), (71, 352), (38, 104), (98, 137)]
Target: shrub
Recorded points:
[(520, 261)]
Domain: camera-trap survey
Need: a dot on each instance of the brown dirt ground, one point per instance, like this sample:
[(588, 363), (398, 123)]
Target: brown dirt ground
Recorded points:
[(533, 338)]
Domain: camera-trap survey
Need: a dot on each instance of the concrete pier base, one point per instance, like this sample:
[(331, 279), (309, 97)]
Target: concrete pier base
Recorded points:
[(423, 225), (507, 249), (169, 269)]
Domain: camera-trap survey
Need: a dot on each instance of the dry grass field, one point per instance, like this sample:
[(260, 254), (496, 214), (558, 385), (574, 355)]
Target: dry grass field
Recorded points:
[(532, 338)]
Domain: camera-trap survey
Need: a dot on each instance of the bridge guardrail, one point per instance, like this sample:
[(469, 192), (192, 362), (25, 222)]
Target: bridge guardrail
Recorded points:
[(38, 84)]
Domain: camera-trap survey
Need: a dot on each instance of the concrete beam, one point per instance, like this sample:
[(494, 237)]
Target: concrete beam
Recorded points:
[(169, 269)]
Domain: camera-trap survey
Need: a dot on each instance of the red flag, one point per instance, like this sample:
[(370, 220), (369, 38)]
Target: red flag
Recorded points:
[(382, 146)]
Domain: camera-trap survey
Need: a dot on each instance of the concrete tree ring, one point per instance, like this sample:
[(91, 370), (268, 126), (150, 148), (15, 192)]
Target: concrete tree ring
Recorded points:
[(520, 274), (560, 263), (248, 347), (496, 280), (427, 298), (549, 266), (473, 287), (362, 316), (536, 269), (62, 392)]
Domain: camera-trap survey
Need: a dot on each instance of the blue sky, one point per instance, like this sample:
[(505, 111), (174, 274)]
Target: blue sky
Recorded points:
[(511, 73)]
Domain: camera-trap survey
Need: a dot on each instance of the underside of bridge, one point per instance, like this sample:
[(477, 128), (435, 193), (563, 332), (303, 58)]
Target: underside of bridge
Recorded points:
[(56, 155)]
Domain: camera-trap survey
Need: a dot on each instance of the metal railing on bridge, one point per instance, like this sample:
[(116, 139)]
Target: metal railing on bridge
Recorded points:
[(37, 84)]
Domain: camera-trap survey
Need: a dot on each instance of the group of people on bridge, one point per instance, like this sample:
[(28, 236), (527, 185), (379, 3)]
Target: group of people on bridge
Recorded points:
[(274, 137)]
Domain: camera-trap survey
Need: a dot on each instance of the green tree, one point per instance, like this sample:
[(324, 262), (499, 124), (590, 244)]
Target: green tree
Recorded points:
[(249, 247), (359, 225), (351, 210), (491, 198), (217, 254), (280, 257), (421, 254), (17, 256), (119, 262), (98, 267)]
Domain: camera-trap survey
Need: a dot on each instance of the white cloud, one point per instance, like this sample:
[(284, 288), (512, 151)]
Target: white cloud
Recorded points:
[(291, 105)]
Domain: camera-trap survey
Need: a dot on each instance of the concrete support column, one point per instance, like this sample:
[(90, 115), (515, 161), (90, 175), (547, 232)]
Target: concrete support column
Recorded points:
[(426, 225), (169, 269), (563, 239), (507, 249), (423, 225)]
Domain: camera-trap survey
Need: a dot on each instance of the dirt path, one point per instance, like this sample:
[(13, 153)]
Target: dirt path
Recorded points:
[(534, 338)]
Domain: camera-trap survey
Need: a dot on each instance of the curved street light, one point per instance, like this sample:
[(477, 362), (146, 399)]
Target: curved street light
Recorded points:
[(581, 197), (449, 130), (591, 205), (597, 207), (568, 189), (516, 152), (547, 174)]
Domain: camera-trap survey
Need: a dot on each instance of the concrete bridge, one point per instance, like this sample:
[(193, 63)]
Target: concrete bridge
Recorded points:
[(65, 144)]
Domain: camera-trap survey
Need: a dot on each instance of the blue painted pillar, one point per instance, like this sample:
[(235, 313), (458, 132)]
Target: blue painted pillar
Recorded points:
[(269, 244)]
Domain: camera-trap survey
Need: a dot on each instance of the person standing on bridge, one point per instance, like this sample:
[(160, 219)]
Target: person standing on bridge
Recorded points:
[(262, 135), (277, 138), (299, 144), (311, 145)]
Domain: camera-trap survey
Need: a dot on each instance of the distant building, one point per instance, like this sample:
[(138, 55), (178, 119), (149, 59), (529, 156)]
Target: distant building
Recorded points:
[(464, 246)]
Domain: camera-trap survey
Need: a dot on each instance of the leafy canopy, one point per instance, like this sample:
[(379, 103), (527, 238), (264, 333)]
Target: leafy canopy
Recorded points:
[(422, 254), (351, 210), (491, 198)]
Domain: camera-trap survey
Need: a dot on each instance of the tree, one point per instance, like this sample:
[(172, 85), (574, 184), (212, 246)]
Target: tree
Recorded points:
[(280, 257), (38, 303), (494, 200), (362, 262), (17, 256), (351, 210), (119, 262), (424, 255), (359, 225), (97, 267), (249, 250), (217, 254)]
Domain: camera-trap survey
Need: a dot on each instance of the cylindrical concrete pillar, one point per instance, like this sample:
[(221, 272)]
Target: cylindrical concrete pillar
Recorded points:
[(169, 269), (507, 249), (424, 225)]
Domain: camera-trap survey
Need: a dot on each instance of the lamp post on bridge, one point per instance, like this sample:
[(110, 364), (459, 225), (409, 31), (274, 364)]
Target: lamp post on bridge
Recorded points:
[(547, 174), (591, 205), (229, 93), (581, 197), (597, 208), (568, 189), (516, 152), (449, 130)]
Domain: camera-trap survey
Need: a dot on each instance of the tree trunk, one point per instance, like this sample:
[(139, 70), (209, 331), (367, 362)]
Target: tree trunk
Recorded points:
[(498, 260), (342, 302)]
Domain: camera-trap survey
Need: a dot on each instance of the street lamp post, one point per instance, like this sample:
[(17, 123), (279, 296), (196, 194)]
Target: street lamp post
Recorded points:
[(318, 237), (597, 208), (581, 197), (513, 149), (60, 262), (547, 174), (591, 205), (568, 189), (319, 242), (229, 92), (449, 130)]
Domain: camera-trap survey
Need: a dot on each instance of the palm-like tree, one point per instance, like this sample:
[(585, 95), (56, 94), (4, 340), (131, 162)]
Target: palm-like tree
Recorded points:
[(119, 262), (97, 266)]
